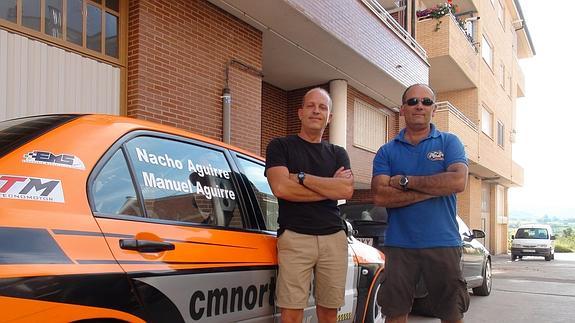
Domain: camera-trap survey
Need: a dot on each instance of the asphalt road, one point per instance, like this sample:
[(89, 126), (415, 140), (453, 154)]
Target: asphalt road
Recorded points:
[(527, 290)]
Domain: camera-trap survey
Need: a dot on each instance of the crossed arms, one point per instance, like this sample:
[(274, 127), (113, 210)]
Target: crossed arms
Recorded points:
[(388, 192), (286, 186)]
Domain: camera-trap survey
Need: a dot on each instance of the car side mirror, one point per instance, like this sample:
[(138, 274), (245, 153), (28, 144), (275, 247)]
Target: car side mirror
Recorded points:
[(553, 237), (512, 237), (349, 229), (478, 234)]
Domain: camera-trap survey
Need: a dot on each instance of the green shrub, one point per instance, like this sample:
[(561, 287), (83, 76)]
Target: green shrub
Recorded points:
[(563, 246)]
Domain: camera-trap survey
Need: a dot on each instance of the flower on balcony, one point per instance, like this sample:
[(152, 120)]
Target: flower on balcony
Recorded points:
[(437, 12)]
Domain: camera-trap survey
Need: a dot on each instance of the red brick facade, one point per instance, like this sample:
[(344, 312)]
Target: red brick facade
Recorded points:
[(177, 54), (274, 114)]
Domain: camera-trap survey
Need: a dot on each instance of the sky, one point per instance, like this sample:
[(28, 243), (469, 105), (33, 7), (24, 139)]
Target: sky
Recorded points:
[(545, 143)]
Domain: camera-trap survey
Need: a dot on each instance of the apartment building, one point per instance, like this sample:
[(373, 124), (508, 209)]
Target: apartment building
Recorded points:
[(236, 70), (232, 70), (474, 56)]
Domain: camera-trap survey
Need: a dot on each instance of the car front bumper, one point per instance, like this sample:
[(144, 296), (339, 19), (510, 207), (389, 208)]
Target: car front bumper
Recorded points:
[(526, 251)]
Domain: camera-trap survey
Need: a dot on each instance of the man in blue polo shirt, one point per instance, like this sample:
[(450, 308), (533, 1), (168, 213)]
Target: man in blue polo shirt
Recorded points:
[(416, 177)]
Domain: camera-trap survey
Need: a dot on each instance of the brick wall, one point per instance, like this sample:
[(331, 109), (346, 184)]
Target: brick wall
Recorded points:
[(177, 53), (274, 114)]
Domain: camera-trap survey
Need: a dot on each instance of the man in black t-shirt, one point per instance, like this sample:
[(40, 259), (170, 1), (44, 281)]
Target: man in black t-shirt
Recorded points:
[(308, 176)]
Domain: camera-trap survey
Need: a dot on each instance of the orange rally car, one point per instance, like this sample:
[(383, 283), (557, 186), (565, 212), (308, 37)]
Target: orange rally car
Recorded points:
[(116, 219)]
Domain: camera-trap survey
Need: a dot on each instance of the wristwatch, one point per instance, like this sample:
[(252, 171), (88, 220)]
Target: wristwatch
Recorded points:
[(301, 177), (403, 181)]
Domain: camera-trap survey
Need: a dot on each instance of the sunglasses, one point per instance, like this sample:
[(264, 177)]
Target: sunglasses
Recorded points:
[(414, 101)]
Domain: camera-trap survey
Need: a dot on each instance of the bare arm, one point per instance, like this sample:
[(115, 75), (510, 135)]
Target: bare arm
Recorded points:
[(451, 181), (287, 188), (338, 187), (389, 196)]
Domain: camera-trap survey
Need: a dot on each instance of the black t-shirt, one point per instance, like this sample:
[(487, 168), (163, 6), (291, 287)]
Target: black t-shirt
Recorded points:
[(319, 159)]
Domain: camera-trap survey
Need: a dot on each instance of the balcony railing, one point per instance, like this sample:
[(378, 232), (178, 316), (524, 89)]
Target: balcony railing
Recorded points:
[(446, 105), (392, 24)]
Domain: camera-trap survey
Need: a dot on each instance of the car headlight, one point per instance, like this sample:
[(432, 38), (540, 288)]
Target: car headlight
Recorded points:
[(516, 245), (542, 246)]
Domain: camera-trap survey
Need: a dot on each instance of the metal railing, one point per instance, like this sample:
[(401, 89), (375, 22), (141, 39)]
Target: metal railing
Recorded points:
[(390, 22), (468, 36), (446, 105)]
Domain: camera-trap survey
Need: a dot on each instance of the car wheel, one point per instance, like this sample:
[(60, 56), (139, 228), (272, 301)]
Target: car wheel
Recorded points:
[(485, 288), (520, 257), (374, 313), (548, 258), (513, 257)]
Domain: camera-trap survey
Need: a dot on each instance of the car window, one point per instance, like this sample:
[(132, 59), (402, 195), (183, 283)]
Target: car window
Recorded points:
[(184, 182), (268, 203), (16, 132), (113, 191), (531, 233)]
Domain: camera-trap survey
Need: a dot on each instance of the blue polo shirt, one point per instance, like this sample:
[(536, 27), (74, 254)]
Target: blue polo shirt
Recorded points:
[(430, 223)]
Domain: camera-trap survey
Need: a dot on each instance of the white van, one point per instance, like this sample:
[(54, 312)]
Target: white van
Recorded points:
[(533, 240)]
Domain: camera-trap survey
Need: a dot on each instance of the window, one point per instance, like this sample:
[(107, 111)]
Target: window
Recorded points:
[(369, 126), (487, 51), (113, 191), (267, 201), (89, 25), (500, 13), (184, 182), (500, 133), (487, 122), (502, 74)]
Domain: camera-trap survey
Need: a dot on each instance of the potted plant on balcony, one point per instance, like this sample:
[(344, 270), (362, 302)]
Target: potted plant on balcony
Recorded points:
[(437, 12)]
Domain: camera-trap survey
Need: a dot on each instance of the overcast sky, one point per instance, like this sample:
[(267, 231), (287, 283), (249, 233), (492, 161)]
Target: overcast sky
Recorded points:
[(545, 145)]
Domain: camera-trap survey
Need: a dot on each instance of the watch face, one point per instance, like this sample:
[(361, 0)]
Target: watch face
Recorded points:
[(403, 181)]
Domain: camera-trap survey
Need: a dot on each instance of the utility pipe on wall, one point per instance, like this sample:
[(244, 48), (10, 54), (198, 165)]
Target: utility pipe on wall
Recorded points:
[(227, 97)]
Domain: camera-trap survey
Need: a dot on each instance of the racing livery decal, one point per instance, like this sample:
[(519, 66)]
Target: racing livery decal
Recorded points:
[(31, 188), (48, 158)]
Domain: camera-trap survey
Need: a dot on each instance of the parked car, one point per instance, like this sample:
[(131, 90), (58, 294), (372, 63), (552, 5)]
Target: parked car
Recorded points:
[(117, 219), (533, 240), (369, 223)]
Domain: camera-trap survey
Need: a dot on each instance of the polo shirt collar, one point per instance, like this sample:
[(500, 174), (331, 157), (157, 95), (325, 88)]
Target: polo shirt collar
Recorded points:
[(433, 133)]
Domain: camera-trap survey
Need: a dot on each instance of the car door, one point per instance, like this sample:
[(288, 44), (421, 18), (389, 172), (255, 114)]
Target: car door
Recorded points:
[(266, 205), (472, 255), (175, 217)]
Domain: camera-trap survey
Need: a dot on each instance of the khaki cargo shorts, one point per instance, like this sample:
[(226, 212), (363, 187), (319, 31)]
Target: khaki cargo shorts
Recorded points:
[(298, 256)]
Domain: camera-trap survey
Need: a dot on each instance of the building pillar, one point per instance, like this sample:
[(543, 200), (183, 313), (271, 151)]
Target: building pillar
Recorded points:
[(338, 124)]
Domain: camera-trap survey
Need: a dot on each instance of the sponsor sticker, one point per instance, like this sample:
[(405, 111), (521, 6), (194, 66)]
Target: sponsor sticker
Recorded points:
[(31, 188), (49, 158), (435, 155)]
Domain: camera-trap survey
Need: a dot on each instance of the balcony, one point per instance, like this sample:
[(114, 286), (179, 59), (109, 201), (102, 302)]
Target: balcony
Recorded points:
[(306, 43), (516, 174), (463, 6), (449, 118), (451, 52), (519, 78)]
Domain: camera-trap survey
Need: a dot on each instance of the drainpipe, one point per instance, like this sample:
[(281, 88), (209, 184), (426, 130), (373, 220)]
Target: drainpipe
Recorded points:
[(226, 114), (227, 97)]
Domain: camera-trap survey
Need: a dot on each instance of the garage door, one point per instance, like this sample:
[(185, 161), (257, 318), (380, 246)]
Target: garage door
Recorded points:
[(36, 78)]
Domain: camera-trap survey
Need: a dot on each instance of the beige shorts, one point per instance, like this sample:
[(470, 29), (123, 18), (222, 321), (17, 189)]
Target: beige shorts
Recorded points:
[(298, 256)]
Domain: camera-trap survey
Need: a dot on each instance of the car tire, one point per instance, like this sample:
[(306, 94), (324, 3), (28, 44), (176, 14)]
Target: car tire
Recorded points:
[(548, 258), (485, 288), (513, 257), (374, 313)]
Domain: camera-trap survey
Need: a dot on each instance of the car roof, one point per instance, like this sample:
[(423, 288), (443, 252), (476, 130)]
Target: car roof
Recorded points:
[(531, 226), (123, 125)]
